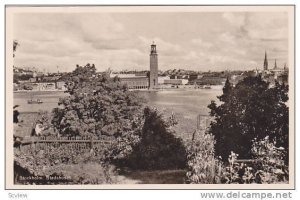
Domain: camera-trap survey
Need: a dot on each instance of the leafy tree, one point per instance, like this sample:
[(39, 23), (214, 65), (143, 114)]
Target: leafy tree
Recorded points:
[(251, 109), (101, 107), (158, 147), (15, 45)]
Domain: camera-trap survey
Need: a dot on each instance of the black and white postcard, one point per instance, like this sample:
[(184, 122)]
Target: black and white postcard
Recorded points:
[(150, 97)]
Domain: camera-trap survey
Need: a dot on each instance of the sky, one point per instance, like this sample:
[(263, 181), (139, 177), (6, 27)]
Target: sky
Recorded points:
[(198, 41)]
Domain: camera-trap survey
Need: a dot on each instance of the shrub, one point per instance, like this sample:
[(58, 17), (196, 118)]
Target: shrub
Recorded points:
[(267, 166), (89, 173), (270, 163), (235, 172), (73, 165), (158, 147), (203, 167)]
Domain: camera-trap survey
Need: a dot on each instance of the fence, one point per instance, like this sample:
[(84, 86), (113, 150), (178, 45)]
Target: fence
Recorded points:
[(203, 122), (46, 142)]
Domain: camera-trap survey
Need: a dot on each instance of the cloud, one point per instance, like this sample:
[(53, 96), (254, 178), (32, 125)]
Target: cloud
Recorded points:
[(228, 38), (259, 25), (168, 48), (96, 28), (199, 41), (235, 19)]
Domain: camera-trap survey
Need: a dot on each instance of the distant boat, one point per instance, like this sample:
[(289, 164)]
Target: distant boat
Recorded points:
[(34, 101), (207, 87)]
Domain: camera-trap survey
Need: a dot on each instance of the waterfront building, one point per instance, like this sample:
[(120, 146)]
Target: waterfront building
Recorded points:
[(42, 86), (161, 79), (60, 85), (208, 80), (136, 82), (133, 81), (176, 81), (141, 81)]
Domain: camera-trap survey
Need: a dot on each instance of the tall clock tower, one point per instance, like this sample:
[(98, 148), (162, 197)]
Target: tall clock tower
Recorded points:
[(153, 82)]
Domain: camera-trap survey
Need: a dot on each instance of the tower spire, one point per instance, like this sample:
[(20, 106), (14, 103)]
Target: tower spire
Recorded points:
[(153, 77), (266, 61), (275, 65)]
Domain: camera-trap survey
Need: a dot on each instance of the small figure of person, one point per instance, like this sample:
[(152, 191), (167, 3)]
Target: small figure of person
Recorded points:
[(16, 115)]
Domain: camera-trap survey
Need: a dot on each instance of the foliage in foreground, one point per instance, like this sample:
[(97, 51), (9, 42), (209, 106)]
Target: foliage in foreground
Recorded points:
[(158, 147), (268, 167), (251, 109), (99, 106), (270, 160), (203, 167), (73, 166)]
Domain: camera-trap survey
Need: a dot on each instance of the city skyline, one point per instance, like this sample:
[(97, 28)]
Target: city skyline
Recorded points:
[(198, 41)]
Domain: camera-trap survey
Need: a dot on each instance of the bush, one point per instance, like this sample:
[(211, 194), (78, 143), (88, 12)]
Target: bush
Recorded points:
[(88, 173), (35, 160), (99, 106), (267, 167), (250, 109), (73, 165), (203, 167), (158, 147), (271, 167), (236, 173)]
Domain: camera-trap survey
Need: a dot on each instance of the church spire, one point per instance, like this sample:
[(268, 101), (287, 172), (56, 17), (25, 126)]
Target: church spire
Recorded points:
[(266, 61), (275, 65)]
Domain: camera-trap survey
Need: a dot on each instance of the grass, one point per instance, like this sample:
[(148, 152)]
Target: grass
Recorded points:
[(157, 176), (83, 173), (86, 173)]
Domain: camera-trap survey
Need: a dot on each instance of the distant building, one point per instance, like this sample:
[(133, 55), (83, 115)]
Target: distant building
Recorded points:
[(209, 80), (142, 80), (161, 79), (133, 81), (37, 74), (121, 76), (193, 77), (153, 78), (50, 78), (42, 86), (32, 80), (283, 78), (136, 82), (176, 81), (61, 85), (274, 74)]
